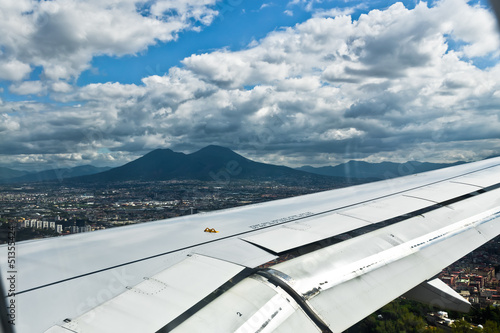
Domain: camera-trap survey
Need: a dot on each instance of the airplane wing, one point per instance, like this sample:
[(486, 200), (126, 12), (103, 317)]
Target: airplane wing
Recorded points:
[(353, 250)]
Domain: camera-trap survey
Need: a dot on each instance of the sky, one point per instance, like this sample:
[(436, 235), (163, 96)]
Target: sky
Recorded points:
[(298, 82)]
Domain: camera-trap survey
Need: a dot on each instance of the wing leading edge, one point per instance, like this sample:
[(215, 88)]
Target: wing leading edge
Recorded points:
[(411, 228)]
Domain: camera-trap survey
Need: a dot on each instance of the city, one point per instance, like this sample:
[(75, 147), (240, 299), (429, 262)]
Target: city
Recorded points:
[(52, 209)]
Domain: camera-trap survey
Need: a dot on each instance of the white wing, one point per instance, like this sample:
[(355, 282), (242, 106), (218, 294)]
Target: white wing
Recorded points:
[(171, 275)]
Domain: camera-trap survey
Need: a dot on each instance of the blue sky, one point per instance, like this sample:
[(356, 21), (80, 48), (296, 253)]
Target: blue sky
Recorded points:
[(234, 29), (287, 82)]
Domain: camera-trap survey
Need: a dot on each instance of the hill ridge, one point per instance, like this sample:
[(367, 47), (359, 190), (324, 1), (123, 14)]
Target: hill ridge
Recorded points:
[(382, 170)]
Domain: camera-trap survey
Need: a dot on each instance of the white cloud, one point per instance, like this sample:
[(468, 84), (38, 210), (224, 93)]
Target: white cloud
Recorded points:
[(27, 88), (310, 83), (476, 26), (61, 87), (62, 36), (383, 86), (13, 70), (7, 123), (108, 92), (341, 134)]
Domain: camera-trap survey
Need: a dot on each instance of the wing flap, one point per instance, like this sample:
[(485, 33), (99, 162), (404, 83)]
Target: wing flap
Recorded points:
[(316, 228), (482, 178), (237, 251), (342, 293), (442, 192), (302, 233), (347, 303), (253, 305), (386, 208), (437, 293), (159, 299)]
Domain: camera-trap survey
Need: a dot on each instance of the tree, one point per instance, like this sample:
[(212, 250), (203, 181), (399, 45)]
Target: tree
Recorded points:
[(491, 327), (395, 317), (462, 326)]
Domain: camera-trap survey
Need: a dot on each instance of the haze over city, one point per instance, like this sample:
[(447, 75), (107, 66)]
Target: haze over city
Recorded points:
[(283, 82)]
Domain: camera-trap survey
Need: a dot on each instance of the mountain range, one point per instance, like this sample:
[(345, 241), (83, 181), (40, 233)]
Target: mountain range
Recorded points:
[(383, 170), (217, 163), (15, 176)]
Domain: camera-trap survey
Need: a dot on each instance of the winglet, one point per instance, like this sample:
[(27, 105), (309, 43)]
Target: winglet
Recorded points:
[(437, 293)]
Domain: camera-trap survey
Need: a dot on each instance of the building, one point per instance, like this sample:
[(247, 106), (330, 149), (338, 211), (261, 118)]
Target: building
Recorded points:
[(462, 284), (487, 272)]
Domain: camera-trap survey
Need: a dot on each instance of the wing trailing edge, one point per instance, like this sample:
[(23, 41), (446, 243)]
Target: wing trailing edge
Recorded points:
[(437, 293)]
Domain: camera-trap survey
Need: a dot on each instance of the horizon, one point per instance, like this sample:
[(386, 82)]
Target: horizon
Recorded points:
[(293, 167), (292, 83)]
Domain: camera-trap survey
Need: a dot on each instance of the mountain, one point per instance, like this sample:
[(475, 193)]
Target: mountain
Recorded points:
[(6, 173), (383, 170), (53, 174), (210, 163)]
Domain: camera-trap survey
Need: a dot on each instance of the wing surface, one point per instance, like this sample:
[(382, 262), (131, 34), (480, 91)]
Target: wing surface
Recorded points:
[(355, 248)]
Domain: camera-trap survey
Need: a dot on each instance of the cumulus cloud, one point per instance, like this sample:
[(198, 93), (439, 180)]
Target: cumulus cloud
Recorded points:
[(7, 123), (27, 88), (61, 87), (477, 30), (384, 86), (13, 69), (62, 36)]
